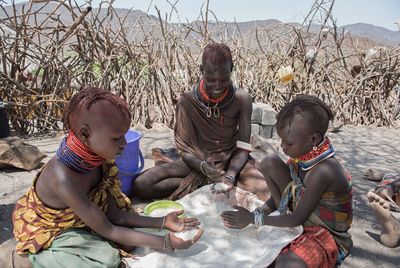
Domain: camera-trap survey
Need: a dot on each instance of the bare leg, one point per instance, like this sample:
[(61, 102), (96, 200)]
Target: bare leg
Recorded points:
[(276, 174), (10, 259), (390, 232), (21, 261), (254, 182), (289, 260), (161, 181)]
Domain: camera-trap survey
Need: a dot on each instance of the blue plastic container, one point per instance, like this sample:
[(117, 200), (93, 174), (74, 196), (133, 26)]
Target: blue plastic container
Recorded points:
[(131, 162)]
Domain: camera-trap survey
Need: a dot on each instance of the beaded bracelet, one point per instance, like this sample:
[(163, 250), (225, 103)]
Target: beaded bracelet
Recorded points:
[(201, 167), (258, 215), (167, 244)]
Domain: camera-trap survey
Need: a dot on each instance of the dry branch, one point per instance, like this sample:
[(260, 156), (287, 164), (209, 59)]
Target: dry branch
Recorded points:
[(150, 62)]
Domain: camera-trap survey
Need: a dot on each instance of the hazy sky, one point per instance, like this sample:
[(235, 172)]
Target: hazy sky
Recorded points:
[(377, 12)]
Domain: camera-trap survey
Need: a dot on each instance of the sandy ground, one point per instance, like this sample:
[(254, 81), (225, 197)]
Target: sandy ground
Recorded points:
[(358, 147)]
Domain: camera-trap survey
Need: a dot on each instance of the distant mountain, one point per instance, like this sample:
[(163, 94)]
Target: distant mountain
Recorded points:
[(61, 13), (376, 33), (364, 31)]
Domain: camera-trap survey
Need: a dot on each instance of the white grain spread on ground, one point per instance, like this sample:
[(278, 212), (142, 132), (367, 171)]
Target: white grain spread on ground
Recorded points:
[(220, 246)]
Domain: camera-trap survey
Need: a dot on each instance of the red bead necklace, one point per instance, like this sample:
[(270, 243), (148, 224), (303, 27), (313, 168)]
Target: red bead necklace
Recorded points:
[(208, 98)]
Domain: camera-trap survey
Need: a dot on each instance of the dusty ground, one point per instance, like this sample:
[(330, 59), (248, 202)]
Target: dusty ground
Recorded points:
[(358, 147)]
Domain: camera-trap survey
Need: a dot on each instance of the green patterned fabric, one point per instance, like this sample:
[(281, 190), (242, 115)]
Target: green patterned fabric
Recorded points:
[(77, 248)]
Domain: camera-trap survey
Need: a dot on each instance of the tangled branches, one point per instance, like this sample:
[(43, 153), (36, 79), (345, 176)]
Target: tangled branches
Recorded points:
[(49, 51)]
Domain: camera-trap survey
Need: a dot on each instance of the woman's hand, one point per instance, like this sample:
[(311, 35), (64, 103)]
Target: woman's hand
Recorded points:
[(210, 172), (178, 243), (224, 187), (175, 224), (237, 219)]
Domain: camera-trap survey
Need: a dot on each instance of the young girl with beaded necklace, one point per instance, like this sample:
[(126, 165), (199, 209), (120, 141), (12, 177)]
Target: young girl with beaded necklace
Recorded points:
[(312, 189), (75, 211)]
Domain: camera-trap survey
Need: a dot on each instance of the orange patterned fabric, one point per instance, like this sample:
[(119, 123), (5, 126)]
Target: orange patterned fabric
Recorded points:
[(316, 247), (36, 226)]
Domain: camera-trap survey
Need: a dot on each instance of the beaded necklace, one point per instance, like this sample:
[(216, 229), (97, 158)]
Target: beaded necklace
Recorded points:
[(76, 155), (318, 154), (214, 106), (306, 162)]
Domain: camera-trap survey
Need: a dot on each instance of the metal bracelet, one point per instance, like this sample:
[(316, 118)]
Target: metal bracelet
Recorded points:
[(201, 167), (163, 223), (231, 178)]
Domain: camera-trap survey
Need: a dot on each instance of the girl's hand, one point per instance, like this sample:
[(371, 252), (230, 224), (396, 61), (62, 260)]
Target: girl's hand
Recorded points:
[(237, 219), (175, 224), (210, 172), (178, 243)]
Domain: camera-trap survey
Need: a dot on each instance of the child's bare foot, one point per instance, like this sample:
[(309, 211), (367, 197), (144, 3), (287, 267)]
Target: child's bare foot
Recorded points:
[(373, 175), (390, 233)]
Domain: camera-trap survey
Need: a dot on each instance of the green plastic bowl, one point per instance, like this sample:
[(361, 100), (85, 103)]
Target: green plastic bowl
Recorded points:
[(163, 204)]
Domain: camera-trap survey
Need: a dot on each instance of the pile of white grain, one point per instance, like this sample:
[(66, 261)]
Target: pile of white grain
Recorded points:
[(220, 246)]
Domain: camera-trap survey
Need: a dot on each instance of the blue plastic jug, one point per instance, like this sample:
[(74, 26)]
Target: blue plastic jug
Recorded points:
[(131, 162)]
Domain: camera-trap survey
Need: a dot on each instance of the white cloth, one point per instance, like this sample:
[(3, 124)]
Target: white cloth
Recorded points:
[(220, 246)]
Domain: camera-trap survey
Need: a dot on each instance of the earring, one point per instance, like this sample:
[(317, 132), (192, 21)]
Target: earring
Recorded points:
[(314, 148)]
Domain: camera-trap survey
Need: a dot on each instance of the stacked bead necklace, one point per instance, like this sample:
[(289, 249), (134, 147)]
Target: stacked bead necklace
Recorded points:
[(319, 153), (76, 155), (306, 162)]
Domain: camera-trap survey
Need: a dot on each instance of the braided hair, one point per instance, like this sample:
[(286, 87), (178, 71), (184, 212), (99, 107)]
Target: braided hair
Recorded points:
[(316, 112), (84, 99)]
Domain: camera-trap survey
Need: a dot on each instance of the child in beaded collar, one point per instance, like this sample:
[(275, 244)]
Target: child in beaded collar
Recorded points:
[(312, 189), (75, 208)]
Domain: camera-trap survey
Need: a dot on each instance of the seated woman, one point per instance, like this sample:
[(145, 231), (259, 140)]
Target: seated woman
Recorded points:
[(212, 134)]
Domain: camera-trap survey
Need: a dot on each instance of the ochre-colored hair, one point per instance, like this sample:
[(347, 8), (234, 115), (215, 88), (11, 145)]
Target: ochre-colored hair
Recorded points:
[(216, 55), (314, 110), (87, 97)]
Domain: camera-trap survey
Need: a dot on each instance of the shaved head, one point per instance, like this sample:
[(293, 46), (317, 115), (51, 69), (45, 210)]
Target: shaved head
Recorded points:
[(217, 56)]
